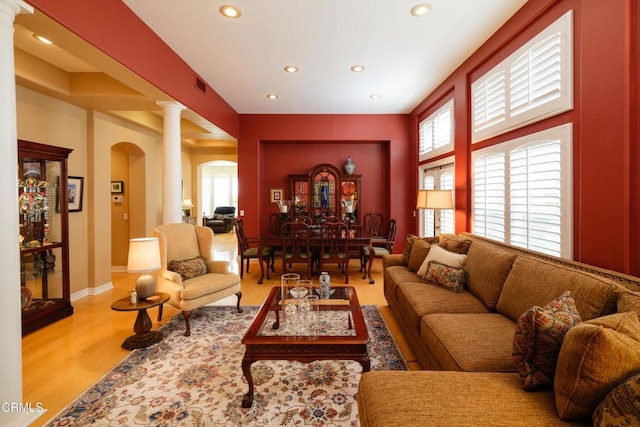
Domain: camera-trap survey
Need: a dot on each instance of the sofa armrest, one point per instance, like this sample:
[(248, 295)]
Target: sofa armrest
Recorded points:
[(217, 266), (389, 260)]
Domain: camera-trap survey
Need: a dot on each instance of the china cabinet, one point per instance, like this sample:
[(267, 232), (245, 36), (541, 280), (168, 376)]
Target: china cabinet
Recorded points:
[(325, 191), (44, 238)]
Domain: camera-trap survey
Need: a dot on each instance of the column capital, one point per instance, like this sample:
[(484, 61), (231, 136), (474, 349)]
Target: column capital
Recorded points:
[(17, 6), (170, 106)]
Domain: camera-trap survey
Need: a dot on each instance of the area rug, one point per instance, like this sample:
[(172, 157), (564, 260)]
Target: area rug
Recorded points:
[(198, 380)]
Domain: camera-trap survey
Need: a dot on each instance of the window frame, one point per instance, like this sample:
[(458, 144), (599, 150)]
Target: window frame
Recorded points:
[(564, 133), (441, 164), (436, 151)]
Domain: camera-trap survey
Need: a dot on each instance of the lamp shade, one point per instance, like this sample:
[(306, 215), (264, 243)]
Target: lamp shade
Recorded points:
[(187, 204), (144, 255), (435, 199)]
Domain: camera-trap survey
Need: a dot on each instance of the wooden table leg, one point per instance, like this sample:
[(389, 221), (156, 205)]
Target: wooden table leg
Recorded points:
[(144, 336), (247, 400)]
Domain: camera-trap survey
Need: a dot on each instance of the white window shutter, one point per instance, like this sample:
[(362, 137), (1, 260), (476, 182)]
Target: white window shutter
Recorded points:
[(489, 188)]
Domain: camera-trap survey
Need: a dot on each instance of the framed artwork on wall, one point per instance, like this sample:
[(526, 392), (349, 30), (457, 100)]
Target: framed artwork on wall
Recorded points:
[(117, 187), (75, 190), (276, 194)]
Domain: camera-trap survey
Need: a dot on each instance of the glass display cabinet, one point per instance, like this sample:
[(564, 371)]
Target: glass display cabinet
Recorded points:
[(44, 237), (326, 192)]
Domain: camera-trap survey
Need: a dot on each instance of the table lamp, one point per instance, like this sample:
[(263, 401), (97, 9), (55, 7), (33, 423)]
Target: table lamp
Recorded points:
[(435, 199), (144, 257), (187, 204)]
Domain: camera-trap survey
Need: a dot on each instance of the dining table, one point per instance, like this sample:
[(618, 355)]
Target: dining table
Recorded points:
[(354, 246)]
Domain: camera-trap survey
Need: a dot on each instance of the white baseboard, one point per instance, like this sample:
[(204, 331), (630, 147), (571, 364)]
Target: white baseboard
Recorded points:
[(91, 291)]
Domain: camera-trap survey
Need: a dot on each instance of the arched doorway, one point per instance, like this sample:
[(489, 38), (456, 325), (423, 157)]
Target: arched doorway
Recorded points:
[(218, 183)]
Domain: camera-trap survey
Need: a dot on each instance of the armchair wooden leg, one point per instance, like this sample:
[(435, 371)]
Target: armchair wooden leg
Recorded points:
[(160, 312), (187, 316), (239, 295)]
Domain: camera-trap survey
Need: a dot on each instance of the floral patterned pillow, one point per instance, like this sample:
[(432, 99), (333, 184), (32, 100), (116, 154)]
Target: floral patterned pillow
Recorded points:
[(539, 335), (451, 278), (189, 268), (621, 406)]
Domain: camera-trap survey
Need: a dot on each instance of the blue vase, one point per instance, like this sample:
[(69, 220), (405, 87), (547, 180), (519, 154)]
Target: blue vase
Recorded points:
[(324, 196)]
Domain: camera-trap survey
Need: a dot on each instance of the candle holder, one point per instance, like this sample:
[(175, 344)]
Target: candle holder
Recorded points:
[(284, 206), (350, 209)]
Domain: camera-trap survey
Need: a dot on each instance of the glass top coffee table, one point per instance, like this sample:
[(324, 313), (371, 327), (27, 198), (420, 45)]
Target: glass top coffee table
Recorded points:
[(337, 332)]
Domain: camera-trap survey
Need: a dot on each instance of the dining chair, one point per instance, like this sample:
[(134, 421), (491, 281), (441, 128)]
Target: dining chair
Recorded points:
[(251, 248), (380, 245), (295, 246), (373, 227), (333, 247)]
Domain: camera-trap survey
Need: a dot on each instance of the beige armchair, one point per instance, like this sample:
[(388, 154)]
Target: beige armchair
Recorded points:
[(182, 243)]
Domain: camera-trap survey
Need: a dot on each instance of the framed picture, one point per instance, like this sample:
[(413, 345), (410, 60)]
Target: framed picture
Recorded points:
[(276, 194), (75, 190), (117, 187)]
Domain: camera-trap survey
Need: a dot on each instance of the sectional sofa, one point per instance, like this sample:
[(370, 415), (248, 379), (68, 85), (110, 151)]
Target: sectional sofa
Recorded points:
[(506, 336)]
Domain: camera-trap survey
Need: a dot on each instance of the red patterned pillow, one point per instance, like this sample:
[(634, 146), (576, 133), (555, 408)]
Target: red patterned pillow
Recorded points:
[(189, 268), (538, 337), (451, 278)]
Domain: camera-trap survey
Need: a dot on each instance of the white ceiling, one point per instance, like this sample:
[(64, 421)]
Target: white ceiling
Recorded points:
[(405, 57), (243, 59)]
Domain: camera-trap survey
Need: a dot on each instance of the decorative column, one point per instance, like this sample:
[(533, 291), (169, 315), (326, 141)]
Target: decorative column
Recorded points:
[(172, 163), (10, 316)]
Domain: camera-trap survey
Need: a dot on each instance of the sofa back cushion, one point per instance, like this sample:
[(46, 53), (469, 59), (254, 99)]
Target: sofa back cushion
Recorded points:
[(629, 301), (535, 282), (488, 268), (419, 252)]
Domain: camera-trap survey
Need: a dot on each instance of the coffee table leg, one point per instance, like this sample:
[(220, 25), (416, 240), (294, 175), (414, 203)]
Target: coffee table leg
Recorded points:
[(366, 364), (247, 400)]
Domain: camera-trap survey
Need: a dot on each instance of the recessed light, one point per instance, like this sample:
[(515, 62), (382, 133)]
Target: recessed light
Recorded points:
[(357, 68), (375, 96), (272, 96), (230, 11), (420, 9), (291, 69), (42, 39)]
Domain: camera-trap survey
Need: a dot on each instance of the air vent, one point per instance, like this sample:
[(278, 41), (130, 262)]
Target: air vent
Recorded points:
[(200, 84)]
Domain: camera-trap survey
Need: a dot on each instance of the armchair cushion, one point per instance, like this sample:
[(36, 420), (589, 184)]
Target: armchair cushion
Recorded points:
[(188, 268)]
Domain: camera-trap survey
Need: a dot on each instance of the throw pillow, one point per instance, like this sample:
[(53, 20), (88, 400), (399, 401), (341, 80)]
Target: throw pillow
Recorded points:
[(621, 407), (442, 256), (189, 268), (411, 239), (629, 301), (451, 278), (454, 243), (419, 252), (595, 357), (538, 337)]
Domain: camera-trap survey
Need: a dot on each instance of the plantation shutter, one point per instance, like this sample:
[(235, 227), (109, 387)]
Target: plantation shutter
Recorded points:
[(435, 133), (489, 101), (489, 190), (447, 215), (535, 197), (428, 215)]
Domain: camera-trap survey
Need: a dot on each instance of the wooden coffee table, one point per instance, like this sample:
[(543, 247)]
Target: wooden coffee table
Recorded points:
[(342, 335), (144, 336)]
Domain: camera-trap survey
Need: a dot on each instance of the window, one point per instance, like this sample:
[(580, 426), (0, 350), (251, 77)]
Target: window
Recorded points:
[(533, 83), (437, 178), (522, 192), (436, 133)]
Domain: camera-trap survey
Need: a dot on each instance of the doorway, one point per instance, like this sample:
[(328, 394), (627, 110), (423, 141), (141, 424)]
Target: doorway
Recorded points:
[(219, 186)]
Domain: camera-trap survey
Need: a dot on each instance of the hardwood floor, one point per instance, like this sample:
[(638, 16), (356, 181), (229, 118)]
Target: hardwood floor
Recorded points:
[(65, 358)]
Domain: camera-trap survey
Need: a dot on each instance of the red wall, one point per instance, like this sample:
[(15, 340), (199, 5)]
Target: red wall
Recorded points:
[(605, 168), (274, 146)]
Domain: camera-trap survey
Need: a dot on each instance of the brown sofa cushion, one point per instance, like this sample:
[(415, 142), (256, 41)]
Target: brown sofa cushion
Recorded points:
[(488, 268), (436, 398), (534, 282), (454, 243), (621, 406), (539, 335), (415, 299), (411, 239), (595, 357), (479, 342), (419, 252), (629, 301)]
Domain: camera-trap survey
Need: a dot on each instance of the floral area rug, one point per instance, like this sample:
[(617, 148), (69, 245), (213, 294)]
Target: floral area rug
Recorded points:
[(198, 380)]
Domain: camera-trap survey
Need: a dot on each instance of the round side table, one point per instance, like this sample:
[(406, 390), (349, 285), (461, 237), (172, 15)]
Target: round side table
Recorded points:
[(144, 336)]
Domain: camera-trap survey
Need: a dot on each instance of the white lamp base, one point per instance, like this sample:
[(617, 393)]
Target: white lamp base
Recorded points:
[(145, 286)]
